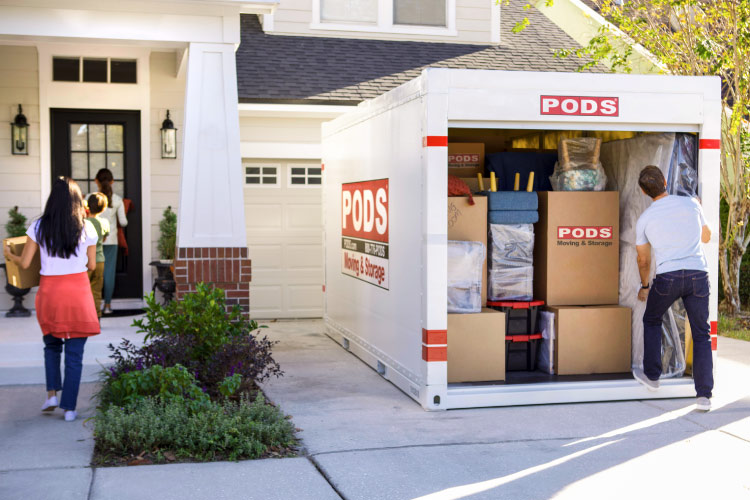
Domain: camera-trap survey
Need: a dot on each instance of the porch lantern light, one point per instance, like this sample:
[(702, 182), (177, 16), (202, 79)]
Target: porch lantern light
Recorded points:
[(168, 138), (19, 134)]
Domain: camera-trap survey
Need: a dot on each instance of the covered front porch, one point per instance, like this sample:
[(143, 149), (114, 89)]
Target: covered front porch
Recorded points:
[(95, 82)]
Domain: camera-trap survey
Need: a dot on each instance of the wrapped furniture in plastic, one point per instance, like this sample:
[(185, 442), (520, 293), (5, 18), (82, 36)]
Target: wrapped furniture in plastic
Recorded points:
[(546, 356), (512, 262), (683, 169), (624, 161), (578, 167), (465, 261)]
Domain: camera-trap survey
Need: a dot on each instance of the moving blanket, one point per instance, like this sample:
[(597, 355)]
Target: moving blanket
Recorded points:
[(623, 161), (513, 216)]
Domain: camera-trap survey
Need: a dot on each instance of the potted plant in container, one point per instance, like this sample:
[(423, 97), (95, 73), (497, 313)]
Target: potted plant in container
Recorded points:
[(16, 226), (164, 281)]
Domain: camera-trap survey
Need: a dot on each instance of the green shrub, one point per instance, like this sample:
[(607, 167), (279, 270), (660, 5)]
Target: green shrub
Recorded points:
[(230, 385), (227, 430), (16, 225), (168, 384), (168, 234)]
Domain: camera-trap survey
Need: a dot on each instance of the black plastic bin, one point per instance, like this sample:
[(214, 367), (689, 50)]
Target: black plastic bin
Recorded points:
[(520, 317), (521, 352)]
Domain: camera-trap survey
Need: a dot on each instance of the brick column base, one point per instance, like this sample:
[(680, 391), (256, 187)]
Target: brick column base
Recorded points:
[(223, 267)]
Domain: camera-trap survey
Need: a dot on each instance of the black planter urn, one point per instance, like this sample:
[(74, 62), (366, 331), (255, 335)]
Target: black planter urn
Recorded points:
[(18, 310), (164, 281)]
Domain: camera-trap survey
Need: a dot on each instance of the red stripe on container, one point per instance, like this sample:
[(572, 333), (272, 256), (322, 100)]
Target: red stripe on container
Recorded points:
[(324, 289), (714, 328), (434, 353), (709, 144), (432, 141), (434, 336), (714, 343)]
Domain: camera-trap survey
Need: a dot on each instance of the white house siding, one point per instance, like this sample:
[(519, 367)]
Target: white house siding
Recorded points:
[(167, 92), (473, 20), (19, 175)]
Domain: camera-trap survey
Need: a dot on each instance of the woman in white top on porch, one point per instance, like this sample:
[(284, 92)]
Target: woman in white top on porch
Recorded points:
[(114, 213)]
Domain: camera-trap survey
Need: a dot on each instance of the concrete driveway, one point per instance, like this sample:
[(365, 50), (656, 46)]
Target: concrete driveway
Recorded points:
[(365, 439)]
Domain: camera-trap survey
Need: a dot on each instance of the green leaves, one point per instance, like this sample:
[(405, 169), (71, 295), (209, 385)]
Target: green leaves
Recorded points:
[(168, 234), (16, 225), (168, 384)]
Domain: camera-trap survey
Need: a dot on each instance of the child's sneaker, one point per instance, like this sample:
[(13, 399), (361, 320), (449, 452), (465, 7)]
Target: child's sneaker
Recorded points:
[(50, 404), (70, 415), (703, 404)]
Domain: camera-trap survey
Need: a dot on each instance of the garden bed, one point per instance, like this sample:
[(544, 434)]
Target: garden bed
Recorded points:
[(190, 393)]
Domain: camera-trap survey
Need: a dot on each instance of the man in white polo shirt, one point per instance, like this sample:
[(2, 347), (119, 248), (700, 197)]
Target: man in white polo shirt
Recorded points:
[(674, 228)]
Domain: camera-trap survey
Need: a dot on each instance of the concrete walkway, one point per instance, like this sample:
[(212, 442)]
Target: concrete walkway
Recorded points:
[(363, 438)]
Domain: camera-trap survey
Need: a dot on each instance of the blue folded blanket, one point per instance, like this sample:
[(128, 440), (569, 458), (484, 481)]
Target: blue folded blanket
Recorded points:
[(511, 200), (513, 216)]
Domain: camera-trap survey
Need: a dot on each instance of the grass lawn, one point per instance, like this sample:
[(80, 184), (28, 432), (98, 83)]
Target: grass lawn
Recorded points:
[(736, 328)]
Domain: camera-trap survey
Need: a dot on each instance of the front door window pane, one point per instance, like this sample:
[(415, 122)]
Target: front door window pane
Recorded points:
[(97, 161), (114, 138), (78, 137), (119, 188), (355, 11), (115, 164), (419, 12), (79, 163), (97, 138)]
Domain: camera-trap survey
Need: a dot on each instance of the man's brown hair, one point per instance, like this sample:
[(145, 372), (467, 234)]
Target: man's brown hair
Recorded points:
[(651, 181), (97, 202)]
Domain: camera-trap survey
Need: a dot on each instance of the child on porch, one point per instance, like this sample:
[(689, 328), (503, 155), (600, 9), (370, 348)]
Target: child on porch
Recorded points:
[(97, 203)]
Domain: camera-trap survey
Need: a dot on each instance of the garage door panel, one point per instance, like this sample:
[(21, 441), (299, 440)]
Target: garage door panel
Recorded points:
[(271, 276), (265, 256), (263, 216), (305, 277), (265, 301), (304, 299), (304, 216), (304, 256)]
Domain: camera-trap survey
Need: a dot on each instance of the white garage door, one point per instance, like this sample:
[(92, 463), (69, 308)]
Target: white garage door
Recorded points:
[(285, 238)]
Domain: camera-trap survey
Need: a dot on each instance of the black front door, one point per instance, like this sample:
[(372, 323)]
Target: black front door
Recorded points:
[(87, 140)]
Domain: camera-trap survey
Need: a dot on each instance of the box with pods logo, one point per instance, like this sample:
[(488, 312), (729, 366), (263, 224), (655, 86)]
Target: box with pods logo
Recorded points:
[(577, 248)]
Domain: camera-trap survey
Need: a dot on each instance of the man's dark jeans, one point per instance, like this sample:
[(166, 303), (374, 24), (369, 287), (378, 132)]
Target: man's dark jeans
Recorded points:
[(53, 348), (692, 287)]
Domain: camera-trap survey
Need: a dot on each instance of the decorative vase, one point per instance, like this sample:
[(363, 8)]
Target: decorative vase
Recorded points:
[(164, 281), (18, 310)]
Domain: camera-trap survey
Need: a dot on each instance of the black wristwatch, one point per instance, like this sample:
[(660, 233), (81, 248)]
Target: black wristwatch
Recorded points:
[(646, 287)]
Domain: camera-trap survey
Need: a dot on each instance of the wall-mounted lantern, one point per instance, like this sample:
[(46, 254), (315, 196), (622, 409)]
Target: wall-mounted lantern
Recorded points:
[(168, 138), (19, 134)]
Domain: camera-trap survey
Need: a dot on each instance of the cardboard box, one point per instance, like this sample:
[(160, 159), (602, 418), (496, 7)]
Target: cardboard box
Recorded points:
[(592, 340), (21, 278), (476, 346), (469, 223), (577, 248), (465, 159)]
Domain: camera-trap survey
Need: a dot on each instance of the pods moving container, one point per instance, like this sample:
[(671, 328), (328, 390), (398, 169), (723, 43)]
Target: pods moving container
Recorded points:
[(385, 211)]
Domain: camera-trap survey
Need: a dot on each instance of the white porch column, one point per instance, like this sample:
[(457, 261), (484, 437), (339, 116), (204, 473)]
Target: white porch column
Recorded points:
[(211, 240)]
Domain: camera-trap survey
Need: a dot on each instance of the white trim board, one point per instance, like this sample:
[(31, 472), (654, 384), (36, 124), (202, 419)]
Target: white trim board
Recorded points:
[(288, 150)]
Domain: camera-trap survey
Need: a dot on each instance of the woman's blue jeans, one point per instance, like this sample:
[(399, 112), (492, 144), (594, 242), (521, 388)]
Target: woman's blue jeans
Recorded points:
[(53, 348), (693, 288)]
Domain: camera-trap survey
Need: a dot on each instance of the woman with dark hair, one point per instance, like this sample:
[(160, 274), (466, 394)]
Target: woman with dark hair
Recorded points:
[(64, 304), (114, 214)]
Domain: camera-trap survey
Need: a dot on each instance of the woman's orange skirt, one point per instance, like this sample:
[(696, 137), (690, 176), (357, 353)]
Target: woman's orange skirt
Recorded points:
[(65, 306)]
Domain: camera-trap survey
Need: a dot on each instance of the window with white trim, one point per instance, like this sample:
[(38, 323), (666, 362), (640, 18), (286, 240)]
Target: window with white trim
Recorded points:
[(429, 17), (303, 175), (262, 174)]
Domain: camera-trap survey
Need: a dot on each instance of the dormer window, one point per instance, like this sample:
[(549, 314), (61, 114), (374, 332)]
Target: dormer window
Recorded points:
[(428, 17)]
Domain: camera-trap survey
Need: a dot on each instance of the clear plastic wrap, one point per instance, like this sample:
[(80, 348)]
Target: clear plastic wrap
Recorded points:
[(546, 356), (683, 168), (578, 167), (512, 245), (511, 283), (624, 161), (465, 262)]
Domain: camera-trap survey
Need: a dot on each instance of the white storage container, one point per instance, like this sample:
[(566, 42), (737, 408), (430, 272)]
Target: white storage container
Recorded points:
[(385, 198)]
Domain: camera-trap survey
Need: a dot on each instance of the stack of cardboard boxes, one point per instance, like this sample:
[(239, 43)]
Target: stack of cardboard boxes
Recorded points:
[(576, 256), (476, 342)]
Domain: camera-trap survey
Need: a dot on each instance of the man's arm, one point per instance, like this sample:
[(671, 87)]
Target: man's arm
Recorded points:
[(705, 234), (644, 268)]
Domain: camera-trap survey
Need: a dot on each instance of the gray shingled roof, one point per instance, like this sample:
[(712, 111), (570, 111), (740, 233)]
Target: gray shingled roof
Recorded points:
[(298, 69)]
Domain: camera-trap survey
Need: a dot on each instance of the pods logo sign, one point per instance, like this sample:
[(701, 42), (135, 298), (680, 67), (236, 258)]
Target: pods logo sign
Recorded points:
[(364, 231), (584, 233), (579, 105)]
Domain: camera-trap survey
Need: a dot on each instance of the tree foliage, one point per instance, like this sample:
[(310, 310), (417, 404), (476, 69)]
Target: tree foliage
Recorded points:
[(698, 38)]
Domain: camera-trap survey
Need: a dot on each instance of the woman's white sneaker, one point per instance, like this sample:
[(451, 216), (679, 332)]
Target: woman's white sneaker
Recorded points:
[(50, 404), (70, 415)]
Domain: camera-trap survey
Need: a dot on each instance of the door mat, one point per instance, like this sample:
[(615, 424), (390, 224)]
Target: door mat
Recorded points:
[(116, 313)]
